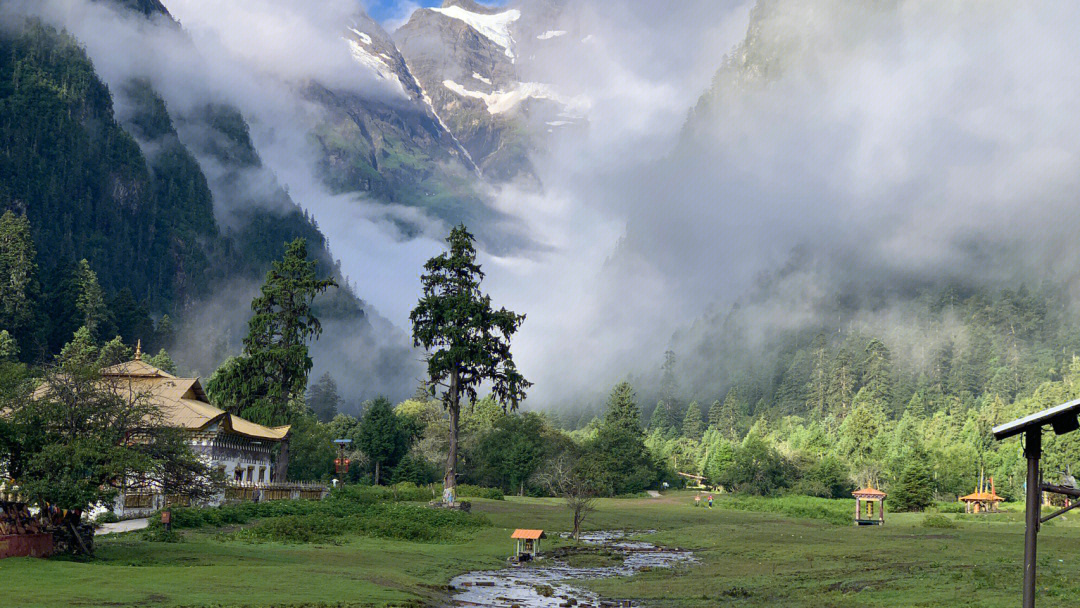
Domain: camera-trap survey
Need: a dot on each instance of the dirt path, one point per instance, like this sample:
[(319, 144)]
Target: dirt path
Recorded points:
[(122, 526), (653, 493)]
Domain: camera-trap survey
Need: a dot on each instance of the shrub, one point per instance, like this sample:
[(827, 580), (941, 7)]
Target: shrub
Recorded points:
[(355, 509), (834, 511), (949, 507), (937, 520), (471, 491), (291, 529), (757, 468), (106, 517), (160, 535)]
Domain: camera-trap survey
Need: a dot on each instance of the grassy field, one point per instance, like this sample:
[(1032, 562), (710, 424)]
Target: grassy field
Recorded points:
[(746, 558)]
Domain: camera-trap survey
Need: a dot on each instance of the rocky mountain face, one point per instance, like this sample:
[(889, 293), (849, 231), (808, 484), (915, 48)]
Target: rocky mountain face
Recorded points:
[(392, 147), (471, 60), (465, 116)]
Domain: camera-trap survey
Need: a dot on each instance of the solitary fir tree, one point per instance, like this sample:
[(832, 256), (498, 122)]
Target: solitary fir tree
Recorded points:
[(467, 339)]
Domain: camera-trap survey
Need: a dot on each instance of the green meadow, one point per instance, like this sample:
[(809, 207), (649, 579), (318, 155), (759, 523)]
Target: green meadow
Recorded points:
[(777, 552)]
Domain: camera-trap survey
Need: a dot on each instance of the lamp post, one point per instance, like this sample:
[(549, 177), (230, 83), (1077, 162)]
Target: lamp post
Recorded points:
[(341, 463)]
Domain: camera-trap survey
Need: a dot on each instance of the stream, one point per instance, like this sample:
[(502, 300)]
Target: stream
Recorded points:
[(545, 582)]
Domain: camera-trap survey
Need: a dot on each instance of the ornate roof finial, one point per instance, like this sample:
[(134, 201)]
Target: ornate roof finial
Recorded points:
[(138, 350)]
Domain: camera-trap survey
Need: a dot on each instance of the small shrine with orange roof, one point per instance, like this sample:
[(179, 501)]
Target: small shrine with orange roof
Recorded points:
[(865, 515), (528, 543), (983, 500)]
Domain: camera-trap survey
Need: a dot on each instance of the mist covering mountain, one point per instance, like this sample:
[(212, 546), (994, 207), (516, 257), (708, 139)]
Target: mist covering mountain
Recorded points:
[(727, 180)]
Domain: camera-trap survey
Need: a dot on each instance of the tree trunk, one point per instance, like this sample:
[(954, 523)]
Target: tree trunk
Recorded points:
[(377, 473), (450, 481), (453, 405), (281, 470), (521, 489)]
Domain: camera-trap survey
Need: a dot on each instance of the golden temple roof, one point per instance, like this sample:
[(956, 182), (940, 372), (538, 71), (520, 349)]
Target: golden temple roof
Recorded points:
[(181, 401)]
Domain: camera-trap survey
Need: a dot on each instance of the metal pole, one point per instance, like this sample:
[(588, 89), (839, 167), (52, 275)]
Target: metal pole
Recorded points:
[(1032, 511)]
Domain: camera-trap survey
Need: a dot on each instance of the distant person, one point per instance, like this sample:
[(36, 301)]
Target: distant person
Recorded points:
[(710, 501), (697, 500)]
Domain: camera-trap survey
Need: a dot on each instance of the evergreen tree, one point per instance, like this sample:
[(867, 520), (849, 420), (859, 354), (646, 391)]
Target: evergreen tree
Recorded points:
[(841, 384), (113, 352), (716, 411), (728, 416), (323, 398), (660, 420), (511, 451), (914, 491), (622, 410), (273, 370), (718, 454), (91, 300), (133, 323), (164, 333), (8, 348), (858, 434), (877, 377), (468, 340), (61, 317), (692, 424), (162, 361), (617, 461), (792, 393), (817, 391), (18, 277), (669, 418), (383, 437)]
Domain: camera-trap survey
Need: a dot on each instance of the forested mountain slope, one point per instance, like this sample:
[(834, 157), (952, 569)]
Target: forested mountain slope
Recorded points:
[(126, 194)]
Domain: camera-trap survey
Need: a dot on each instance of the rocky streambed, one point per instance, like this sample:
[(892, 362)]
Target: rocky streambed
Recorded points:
[(548, 582)]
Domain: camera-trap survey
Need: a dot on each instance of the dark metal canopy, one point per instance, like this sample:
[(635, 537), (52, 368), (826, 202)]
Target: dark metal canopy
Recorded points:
[(1062, 417)]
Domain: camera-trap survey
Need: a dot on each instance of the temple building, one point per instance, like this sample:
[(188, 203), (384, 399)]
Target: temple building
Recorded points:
[(243, 450), (983, 500)]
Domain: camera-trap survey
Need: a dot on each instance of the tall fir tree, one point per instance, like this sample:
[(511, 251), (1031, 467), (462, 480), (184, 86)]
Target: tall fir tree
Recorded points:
[(622, 409), (467, 339), (692, 424), (817, 391), (877, 377), (272, 374), (274, 367), (667, 417), (716, 412), (841, 384)]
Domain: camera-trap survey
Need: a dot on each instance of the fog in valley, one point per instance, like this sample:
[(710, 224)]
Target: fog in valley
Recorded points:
[(778, 157)]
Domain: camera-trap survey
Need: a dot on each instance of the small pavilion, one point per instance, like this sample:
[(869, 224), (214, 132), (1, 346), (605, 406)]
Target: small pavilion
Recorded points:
[(870, 496), (983, 500), (528, 543)]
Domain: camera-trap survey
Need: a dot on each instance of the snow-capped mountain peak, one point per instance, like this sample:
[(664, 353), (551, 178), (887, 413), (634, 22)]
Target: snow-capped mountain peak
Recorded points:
[(495, 27)]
